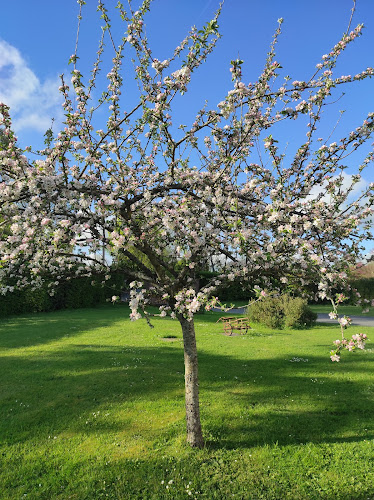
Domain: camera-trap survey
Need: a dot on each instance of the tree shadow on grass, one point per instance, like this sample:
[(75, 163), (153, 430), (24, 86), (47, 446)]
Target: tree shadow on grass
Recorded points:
[(40, 328), (276, 401), (245, 402)]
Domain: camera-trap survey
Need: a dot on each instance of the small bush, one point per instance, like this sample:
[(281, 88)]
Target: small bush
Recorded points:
[(297, 314), (282, 311), (268, 311)]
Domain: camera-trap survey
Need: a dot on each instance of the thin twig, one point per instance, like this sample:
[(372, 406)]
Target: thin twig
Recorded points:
[(77, 38), (350, 19)]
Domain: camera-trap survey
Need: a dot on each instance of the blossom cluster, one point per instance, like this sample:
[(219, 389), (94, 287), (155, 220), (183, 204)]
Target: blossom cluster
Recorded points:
[(357, 341)]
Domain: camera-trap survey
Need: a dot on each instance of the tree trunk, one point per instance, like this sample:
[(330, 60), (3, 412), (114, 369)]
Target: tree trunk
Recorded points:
[(194, 433)]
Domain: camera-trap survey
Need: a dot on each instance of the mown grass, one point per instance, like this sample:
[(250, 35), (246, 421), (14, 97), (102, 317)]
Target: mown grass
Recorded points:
[(92, 406)]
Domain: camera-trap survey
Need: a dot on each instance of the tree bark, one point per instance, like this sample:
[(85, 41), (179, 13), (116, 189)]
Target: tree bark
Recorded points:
[(194, 433)]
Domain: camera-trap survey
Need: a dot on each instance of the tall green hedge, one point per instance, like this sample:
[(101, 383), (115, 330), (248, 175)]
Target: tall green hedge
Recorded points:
[(235, 290), (70, 294), (365, 286)]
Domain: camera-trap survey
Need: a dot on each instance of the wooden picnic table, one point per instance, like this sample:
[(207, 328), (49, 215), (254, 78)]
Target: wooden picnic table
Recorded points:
[(231, 323)]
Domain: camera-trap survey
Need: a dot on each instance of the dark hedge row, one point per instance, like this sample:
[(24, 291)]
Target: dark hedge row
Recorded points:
[(235, 290), (79, 293), (365, 286), (71, 294)]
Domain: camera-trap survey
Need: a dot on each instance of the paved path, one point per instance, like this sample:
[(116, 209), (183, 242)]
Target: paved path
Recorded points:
[(322, 317), (238, 310), (356, 320)]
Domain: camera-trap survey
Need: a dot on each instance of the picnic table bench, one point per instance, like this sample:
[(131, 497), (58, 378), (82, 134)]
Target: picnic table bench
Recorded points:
[(231, 323)]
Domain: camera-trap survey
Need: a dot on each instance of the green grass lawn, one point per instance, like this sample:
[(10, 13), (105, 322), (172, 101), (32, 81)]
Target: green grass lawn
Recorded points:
[(92, 406)]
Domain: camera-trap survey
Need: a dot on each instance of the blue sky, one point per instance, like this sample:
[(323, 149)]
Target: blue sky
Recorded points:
[(37, 37), (40, 36)]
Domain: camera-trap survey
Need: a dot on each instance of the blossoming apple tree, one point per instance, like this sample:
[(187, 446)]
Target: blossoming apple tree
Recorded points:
[(168, 196)]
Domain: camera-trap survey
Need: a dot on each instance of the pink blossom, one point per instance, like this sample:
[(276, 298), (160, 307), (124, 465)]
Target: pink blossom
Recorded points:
[(335, 357), (65, 223), (345, 321)]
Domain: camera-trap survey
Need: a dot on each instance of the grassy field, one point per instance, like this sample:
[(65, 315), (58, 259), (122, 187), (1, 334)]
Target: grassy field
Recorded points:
[(92, 406)]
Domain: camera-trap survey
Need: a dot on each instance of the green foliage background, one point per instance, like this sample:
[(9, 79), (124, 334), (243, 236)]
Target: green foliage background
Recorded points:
[(70, 294)]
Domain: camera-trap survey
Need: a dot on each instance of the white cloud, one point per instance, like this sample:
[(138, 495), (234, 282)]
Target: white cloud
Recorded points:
[(32, 103), (358, 188)]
